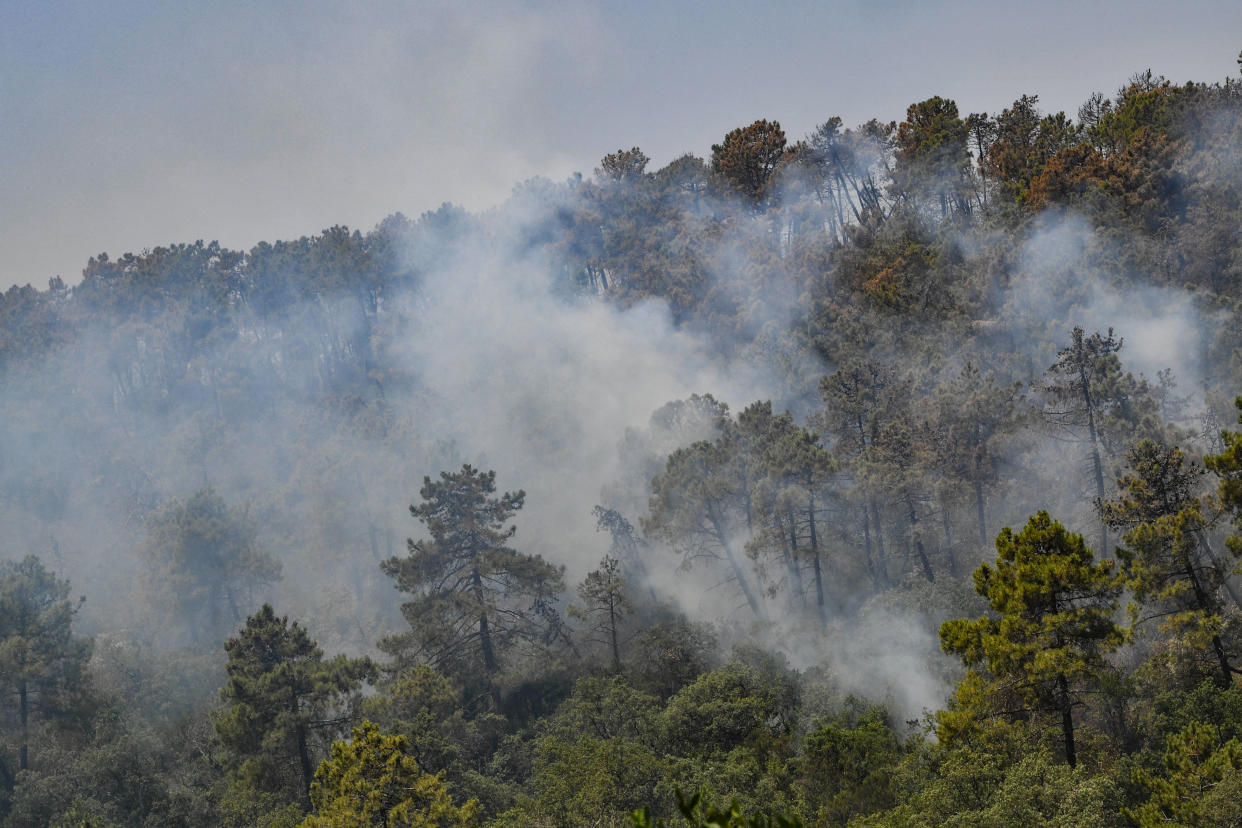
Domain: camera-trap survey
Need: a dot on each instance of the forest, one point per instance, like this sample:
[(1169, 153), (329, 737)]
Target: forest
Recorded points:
[(890, 475)]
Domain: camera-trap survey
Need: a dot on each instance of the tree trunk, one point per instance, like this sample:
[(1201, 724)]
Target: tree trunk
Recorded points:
[(795, 569), (918, 541), (1067, 721), (612, 629), (739, 574), (948, 540), (23, 706), (308, 773), (1096, 465), (485, 635), (819, 575), (980, 514), (1206, 605), (881, 557)]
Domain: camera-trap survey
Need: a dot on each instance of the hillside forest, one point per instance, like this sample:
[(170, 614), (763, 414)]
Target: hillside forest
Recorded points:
[(889, 475)]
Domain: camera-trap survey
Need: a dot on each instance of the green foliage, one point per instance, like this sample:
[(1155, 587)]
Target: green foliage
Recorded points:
[(697, 812), (724, 709), (1227, 466), (846, 768), (371, 781), (964, 788), (931, 286), (932, 158), (1024, 143), (1195, 763), (473, 596), (623, 166), (1053, 624), (284, 703), (745, 160), (1167, 559), (42, 664), (605, 604)]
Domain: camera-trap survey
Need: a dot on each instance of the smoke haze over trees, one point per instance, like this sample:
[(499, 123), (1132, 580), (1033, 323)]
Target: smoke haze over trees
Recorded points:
[(657, 480)]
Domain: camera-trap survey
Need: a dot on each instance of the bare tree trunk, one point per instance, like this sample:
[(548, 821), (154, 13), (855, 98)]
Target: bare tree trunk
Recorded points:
[(918, 541), (948, 540), (739, 574), (795, 569), (1096, 465), (819, 575)]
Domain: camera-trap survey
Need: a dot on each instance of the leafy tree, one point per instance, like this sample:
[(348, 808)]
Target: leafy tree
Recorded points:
[(701, 505), (42, 664), (745, 160), (1053, 626), (205, 560), (598, 758), (898, 461), (1072, 385), (843, 169), (724, 709), (798, 471), (604, 605), (1195, 762), (1025, 141), (284, 703), (1227, 466), (861, 401), (974, 413), (371, 781), (425, 707), (932, 155), (623, 166), (697, 812), (963, 786), (1166, 558), (473, 595), (847, 768)]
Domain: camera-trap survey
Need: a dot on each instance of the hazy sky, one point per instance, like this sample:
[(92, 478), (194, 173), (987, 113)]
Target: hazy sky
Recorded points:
[(125, 125)]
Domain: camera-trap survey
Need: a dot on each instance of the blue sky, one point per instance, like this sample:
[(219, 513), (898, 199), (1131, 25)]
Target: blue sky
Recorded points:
[(125, 125)]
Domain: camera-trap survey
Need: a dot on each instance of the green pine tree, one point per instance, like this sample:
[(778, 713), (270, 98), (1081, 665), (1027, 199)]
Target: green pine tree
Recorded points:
[(41, 662), (285, 703), (1052, 626), (472, 594)]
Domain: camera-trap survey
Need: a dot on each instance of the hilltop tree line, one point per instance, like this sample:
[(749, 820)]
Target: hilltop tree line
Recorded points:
[(962, 443)]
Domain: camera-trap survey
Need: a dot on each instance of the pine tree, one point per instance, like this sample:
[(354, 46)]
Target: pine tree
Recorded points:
[(1052, 626), (285, 703), (1072, 399), (604, 606), (1227, 466), (41, 662), (473, 596), (1166, 557)]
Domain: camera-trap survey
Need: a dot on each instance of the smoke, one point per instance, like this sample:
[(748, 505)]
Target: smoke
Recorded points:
[(322, 411)]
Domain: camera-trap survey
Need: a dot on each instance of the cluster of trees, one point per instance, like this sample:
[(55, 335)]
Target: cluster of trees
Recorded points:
[(931, 299), (491, 707)]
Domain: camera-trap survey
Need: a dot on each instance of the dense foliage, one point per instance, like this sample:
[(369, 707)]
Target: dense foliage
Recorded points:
[(935, 335)]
